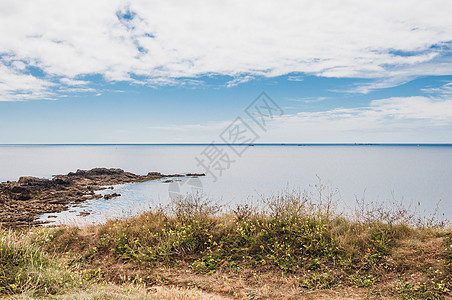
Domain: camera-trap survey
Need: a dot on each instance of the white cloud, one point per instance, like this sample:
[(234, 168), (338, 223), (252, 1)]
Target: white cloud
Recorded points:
[(19, 65), (77, 90), (239, 80), (295, 78), (15, 86), (69, 81), (391, 120), (155, 82), (397, 119), (162, 41), (309, 99), (446, 89), (436, 110)]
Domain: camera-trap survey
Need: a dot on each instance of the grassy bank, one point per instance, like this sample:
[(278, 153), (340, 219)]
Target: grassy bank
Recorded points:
[(289, 248)]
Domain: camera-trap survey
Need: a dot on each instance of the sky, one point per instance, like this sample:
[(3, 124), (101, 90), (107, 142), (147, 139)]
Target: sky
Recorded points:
[(110, 71)]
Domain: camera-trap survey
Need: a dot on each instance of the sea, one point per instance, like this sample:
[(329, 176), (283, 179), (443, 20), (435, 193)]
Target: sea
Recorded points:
[(419, 177)]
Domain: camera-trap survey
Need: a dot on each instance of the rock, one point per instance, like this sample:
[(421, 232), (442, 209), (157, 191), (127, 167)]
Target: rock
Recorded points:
[(20, 190), (34, 181), (155, 174), (62, 180), (33, 185), (21, 193), (195, 174), (58, 201), (110, 196), (104, 171)]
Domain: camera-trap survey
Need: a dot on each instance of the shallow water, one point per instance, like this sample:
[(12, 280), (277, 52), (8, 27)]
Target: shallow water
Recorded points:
[(416, 175)]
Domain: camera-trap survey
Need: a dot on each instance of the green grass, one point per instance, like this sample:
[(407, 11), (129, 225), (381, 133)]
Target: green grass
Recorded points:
[(26, 268)]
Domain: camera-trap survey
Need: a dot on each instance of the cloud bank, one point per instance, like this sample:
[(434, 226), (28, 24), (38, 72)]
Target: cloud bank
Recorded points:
[(417, 119), (50, 43)]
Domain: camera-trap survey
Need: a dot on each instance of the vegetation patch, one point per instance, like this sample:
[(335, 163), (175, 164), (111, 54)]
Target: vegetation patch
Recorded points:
[(290, 246)]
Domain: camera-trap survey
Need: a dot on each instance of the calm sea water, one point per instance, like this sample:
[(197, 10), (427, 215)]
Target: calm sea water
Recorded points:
[(419, 176)]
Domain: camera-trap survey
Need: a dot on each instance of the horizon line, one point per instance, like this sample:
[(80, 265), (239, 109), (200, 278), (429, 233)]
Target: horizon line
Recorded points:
[(224, 144)]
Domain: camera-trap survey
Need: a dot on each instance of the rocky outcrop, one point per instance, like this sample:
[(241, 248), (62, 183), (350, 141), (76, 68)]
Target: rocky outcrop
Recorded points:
[(23, 200)]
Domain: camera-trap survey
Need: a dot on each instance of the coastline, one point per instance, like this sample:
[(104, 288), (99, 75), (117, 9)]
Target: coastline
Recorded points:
[(23, 200)]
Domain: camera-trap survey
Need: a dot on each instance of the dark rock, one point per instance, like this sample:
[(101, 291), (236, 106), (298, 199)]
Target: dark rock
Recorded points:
[(195, 174), (20, 190), (34, 181), (104, 171), (154, 174), (110, 196), (21, 193), (62, 180), (58, 201)]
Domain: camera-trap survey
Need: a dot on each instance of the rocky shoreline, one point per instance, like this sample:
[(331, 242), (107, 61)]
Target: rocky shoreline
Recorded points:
[(22, 201)]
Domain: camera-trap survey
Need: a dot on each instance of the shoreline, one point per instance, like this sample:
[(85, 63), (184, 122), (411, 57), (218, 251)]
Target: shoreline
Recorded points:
[(22, 201)]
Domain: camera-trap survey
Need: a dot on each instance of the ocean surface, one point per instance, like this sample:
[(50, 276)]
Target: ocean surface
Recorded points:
[(420, 176)]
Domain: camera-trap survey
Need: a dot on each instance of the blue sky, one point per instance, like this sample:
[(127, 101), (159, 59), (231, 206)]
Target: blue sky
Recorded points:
[(181, 72)]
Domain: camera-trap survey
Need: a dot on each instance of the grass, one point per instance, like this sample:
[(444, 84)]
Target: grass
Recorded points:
[(26, 268), (292, 246)]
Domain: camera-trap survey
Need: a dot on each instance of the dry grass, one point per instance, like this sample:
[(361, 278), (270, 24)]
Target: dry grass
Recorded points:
[(292, 248), (114, 292)]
